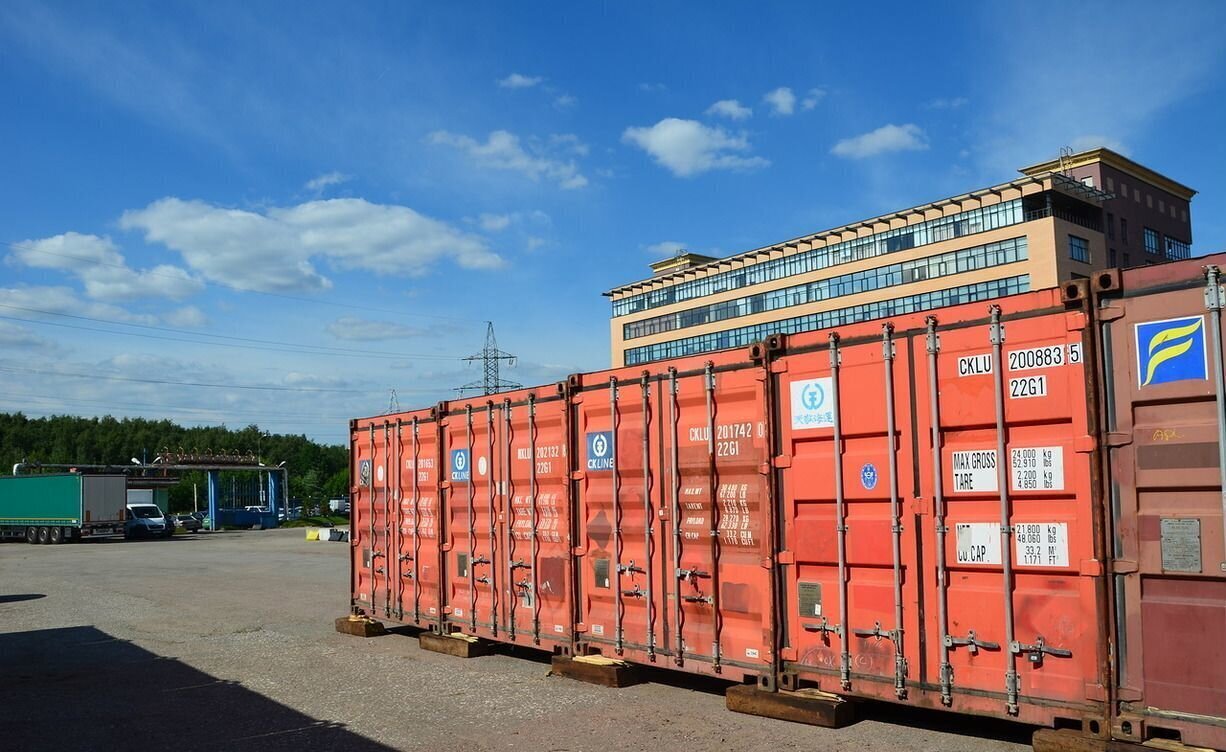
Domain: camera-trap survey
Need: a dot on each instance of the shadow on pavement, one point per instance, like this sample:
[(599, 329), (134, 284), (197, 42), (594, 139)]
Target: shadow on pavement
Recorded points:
[(17, 597), (79, 688)]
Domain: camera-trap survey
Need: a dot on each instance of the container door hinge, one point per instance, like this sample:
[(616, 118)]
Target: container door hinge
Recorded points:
[(1118, 439), (1123, 566), (786, 557), (970, 642), (782, 461), (1075, 321)]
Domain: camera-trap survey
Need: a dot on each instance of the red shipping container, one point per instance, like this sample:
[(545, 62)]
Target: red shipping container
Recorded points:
[(674, 515), (964, 575), (1165, 420)]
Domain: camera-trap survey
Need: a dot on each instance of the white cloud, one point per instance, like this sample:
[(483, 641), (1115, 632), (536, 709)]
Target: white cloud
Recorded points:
[(519, 81), (15, 335), (730, 108), (494, 222), (1082, 143), (781, 100), (812, 99), (44, 302), (274, 250), (1156, 61), (564, 101), (687, 147), (187, 316), (885, 139), (946, 103), (97, 262), (354, 328), (569, 142), (666, 248), (502, 150), (652, 88), (317, 184)]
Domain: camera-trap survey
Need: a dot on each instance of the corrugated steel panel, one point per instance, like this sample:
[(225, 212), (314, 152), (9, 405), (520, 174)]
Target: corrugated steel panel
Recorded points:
[(1163, 348)]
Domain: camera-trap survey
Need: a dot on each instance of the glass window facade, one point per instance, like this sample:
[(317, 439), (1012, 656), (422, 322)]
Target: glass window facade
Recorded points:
[(932, 267), (1151, 240), (899, 239), (746, 335), (1177, 249), (1079, 249)]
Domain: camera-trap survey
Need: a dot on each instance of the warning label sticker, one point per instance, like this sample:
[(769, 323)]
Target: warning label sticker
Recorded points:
[(1041, 544), (1037, 468), (974, 470), (978, 542)]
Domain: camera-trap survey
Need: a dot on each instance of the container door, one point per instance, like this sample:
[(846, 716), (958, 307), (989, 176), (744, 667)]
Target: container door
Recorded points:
[(619, 472), (471, 520), (1017, 625), (718, 506), (1164, 418), (852, 600), (416, 529), (363, 490), (535, 562)]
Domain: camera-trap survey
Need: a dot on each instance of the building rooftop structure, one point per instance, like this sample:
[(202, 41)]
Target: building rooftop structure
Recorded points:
[(1060, 219)]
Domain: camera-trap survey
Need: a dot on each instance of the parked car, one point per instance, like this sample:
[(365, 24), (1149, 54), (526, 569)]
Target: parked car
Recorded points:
[(188, 523)]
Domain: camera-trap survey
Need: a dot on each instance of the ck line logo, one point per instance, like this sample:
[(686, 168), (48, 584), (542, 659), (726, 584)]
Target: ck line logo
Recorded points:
[(460, 466), (600, 450), (1171, 350)]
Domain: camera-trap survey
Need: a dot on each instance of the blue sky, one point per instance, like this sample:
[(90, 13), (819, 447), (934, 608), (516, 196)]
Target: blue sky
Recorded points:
[(325, 202)]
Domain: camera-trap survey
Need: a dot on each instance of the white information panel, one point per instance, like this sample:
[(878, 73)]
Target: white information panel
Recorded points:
[(974, 471), (1041, 544), (1036, 468), (978, 542)]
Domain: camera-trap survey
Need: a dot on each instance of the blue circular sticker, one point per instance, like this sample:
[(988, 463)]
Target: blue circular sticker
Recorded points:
[(868, 476)]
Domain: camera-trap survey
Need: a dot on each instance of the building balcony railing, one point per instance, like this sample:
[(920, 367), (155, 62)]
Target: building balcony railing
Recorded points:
[(1078, 219)]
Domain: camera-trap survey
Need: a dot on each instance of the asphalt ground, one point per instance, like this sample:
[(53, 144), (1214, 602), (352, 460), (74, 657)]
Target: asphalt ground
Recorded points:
[(226, 642)]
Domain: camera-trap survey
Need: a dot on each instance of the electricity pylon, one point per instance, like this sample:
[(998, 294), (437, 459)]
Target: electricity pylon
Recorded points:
[(491, 358)]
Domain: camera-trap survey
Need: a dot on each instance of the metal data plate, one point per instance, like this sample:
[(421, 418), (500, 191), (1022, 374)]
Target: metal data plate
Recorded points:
[(1181, 545), (461, 563), (602, 572), (810, 596)]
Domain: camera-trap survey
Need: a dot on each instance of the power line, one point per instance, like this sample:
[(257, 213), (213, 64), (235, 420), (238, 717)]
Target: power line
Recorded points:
[(16, 396), (259, 387), (267, 345), (232, 288)]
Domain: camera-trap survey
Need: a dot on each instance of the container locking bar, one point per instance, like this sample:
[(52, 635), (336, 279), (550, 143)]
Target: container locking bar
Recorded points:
[(900, 662), (1034, 653), (472, 529), (630, 568), (634, 593), (691, 574), (997, 338), (416, 513), (618, 606), (970, 642), (824, 628), (648, 516), (877, 632), (532, 491), (946, 672), (1215, 300), (697, 599), (674, 484), (840, 515)]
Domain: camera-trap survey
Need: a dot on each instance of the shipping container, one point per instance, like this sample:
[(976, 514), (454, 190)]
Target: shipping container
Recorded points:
[(1165, 422), (1008, 508), (942, 544), (62, 507)]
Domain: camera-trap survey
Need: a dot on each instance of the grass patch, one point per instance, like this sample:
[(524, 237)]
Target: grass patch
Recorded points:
[(325, 520)]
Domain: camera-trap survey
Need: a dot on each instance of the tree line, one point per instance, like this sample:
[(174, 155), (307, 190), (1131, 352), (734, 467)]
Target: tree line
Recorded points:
[(316, 471)]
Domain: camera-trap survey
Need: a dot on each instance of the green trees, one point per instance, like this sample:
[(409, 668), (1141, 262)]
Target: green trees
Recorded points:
[(316, 471)]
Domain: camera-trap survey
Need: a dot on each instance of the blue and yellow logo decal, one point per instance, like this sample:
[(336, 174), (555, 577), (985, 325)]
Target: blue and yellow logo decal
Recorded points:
[(1171, 350)]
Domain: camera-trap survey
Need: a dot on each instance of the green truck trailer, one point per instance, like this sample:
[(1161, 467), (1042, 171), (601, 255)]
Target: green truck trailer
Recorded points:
[(63, 507)]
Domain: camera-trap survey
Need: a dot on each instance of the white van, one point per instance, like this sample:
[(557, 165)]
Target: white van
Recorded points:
[(146, 521)]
